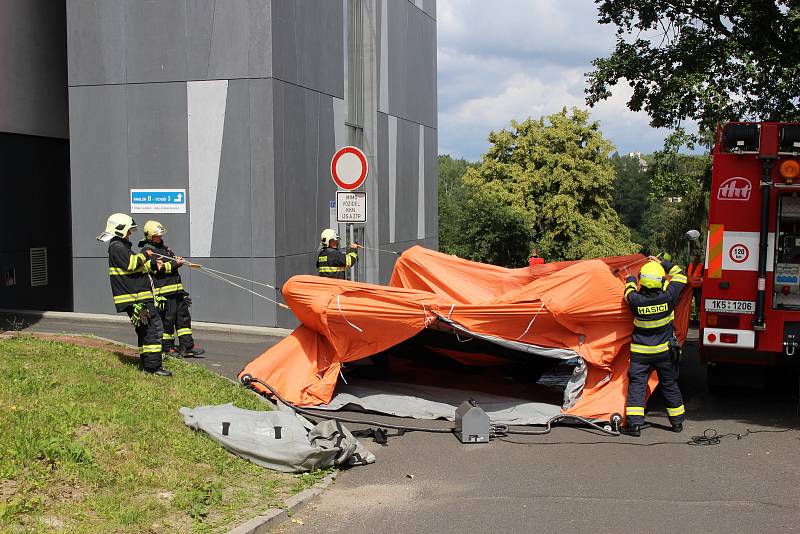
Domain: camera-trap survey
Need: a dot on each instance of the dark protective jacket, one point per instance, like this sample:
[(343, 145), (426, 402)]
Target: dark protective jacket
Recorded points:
[(168, 280), (653, 312), (332, 262), (128, 274)]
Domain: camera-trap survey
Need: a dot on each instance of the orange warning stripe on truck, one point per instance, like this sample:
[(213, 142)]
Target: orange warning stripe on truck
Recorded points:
[(715, 234)]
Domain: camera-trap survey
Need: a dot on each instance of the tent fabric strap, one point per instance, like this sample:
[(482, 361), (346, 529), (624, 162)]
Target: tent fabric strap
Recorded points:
[(531, 323), (548, 352)]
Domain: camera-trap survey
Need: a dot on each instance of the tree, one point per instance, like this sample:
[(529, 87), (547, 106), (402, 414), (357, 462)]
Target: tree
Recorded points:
[(544, 183), (706, 61), (679, 197), (452, 196), (631, 192)]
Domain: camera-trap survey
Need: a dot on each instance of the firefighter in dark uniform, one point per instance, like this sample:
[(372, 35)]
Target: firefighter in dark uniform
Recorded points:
[(132, 289), (332, 262), (653, 309), (171, 299)]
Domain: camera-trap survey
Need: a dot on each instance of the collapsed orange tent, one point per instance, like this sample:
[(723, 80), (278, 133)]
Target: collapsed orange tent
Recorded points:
[(561, 310)]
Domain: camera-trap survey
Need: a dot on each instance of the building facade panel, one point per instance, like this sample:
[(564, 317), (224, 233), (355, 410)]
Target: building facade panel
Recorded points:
[(231, 231), (307, 44), (265, 311), (216, 301), (90, 285), (155, 42), (33, 98), (99, 162), (411, 56), (96, 41), (406, 195), (262, 168)]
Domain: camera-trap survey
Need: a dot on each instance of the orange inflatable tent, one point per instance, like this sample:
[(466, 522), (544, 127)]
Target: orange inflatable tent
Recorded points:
[(566, 310)]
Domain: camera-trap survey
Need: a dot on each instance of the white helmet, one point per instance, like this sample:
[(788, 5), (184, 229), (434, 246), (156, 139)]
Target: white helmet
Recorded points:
[(152, 228), (118, 224), (327, 235)]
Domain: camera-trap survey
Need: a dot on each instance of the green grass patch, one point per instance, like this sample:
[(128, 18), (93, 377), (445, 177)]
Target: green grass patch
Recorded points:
[(88, 443)]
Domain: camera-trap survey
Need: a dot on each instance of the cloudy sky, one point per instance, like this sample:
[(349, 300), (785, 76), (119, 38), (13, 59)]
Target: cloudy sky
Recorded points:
[(513, 59)]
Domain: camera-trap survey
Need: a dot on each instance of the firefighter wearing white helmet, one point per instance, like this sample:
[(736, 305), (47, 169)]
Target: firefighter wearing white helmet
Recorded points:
[(654, 345), (172, 300), (331, 261), (132, 290)]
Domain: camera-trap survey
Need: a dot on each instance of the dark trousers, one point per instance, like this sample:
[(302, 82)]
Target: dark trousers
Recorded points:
[(638, 373), (168, 317), (149, 337), (177, 319)]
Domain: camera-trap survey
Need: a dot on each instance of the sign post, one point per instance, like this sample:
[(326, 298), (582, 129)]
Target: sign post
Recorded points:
[(349, 171)]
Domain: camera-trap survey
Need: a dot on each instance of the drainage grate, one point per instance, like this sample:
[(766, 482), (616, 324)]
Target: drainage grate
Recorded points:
[(39, 266)]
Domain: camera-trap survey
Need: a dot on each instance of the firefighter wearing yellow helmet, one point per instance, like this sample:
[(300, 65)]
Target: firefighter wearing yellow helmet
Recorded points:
[(172, 300), (132, 290), (331, 261), (652, 304)]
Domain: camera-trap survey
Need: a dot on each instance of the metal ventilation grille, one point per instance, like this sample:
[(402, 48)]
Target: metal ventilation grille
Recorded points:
[(38, 266)]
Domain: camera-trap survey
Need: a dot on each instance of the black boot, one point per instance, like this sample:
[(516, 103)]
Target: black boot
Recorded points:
[(159, 372), (631, 430), (192, 352), (677, 427)]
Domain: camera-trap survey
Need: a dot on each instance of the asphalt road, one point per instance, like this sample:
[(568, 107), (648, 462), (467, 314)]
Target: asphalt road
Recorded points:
[(569, 480)]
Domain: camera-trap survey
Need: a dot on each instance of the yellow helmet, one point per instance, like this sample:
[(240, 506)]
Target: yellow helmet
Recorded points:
[(118, 225), (152, 228), (652, 275), (327, 235)]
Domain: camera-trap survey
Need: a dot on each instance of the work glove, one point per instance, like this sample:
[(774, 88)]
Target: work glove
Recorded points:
[(675, 350), (140, 315), (161, 302)]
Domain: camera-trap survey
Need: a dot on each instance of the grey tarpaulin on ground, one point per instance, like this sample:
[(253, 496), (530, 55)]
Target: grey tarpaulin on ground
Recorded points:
[(279, 440)]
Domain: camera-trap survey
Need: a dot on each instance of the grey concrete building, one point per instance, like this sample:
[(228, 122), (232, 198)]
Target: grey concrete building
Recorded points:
[(35, 261), (243, 103)]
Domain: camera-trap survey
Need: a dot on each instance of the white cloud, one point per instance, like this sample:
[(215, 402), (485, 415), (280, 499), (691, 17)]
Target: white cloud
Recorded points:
[(513, 59)]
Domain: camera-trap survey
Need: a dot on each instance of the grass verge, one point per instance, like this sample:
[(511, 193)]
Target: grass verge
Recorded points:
[(88, 443)]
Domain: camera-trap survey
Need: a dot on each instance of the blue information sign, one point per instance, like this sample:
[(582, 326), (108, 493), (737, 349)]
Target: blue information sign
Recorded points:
[(158, 200)]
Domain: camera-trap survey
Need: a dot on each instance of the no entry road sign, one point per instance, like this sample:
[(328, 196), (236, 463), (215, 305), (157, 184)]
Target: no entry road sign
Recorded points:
[(349, 167)]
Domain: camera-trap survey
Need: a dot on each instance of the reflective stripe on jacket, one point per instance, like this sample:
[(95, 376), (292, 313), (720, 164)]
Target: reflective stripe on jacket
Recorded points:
[(332, 262), (166, 282), (653, 312), (128, 273)]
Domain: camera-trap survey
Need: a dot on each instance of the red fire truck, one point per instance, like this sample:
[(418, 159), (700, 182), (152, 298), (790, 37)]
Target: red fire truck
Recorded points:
[(750, 311)]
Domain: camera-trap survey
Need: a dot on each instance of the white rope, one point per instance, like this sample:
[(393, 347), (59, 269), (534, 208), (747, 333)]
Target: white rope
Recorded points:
[(223, 279), (222, 273), (530, 324), (339, 305), (451, 311), (428, 318), (238, 277)]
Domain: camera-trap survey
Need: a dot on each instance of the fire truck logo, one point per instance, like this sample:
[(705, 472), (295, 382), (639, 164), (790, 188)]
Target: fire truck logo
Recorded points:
[(736, 188)]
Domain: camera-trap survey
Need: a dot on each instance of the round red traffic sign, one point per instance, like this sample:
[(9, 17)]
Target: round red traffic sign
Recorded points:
[(349, 167), (739, 253)]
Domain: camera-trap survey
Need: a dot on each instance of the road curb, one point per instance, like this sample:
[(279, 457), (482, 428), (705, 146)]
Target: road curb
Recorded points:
[(275, 516), (105, 318)]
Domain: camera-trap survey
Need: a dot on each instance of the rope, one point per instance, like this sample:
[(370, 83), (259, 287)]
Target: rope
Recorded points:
[(338, 305), (223, 279), (197, 266), (220, 275), (532, 320)]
